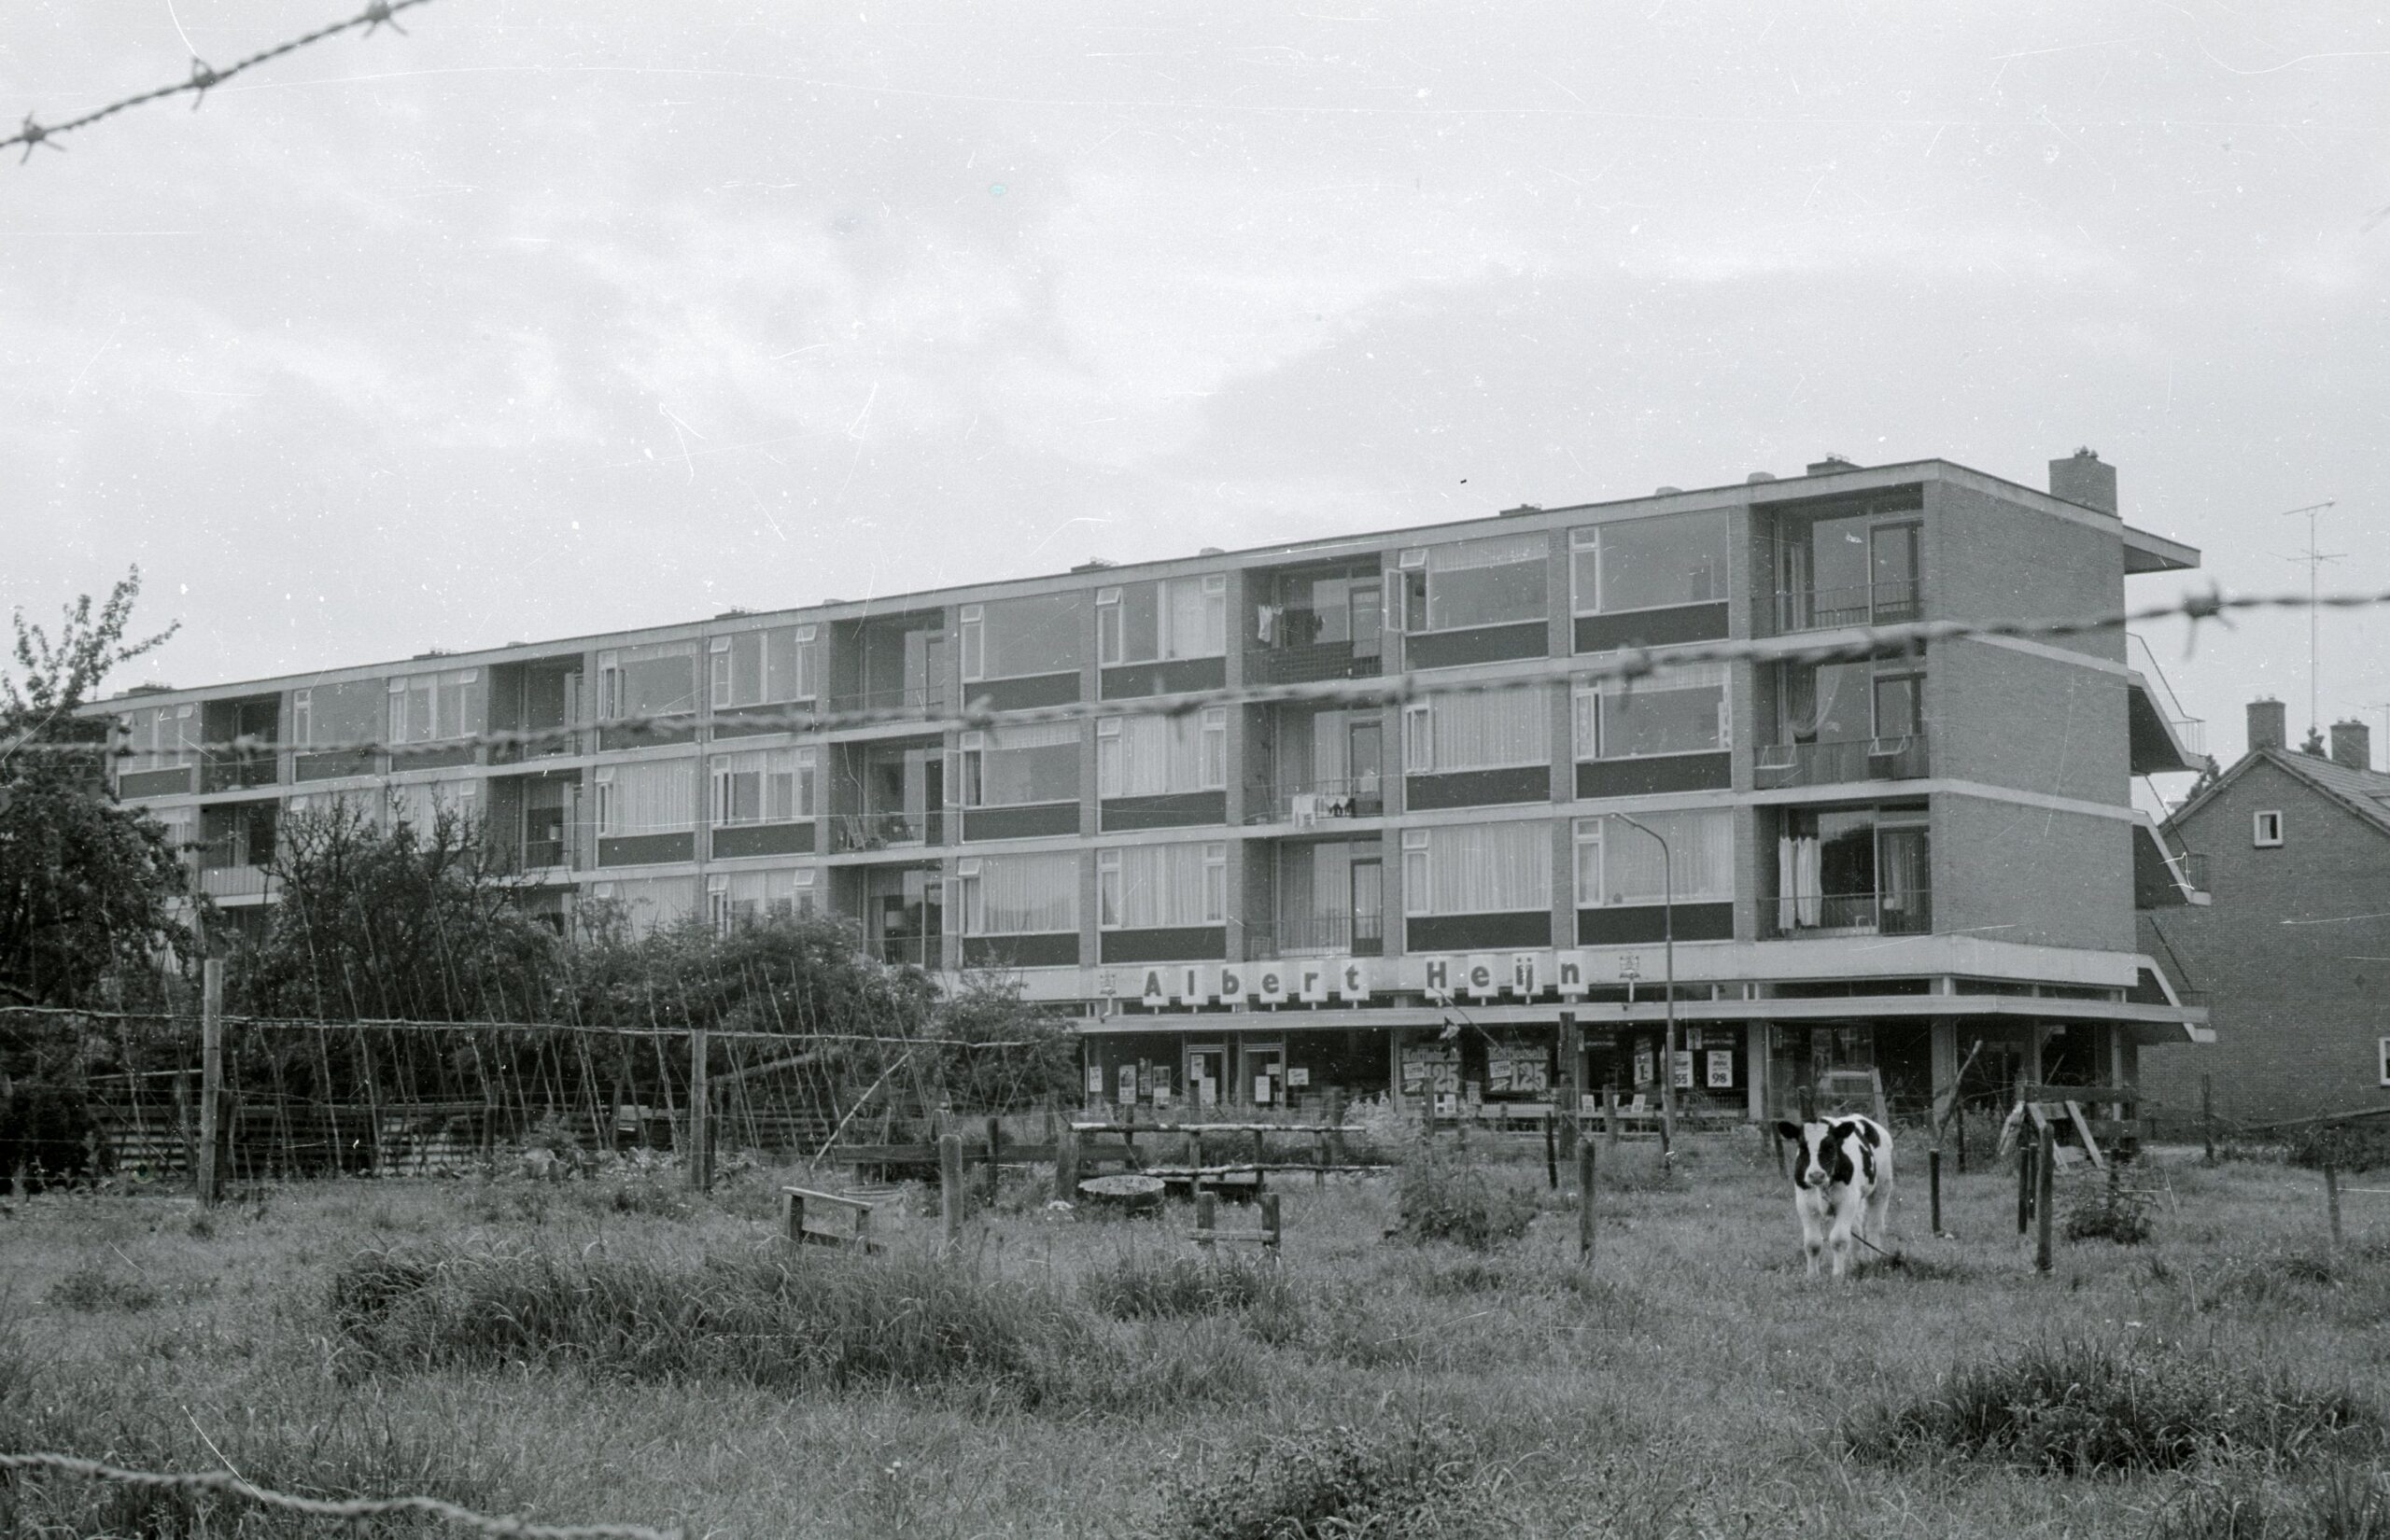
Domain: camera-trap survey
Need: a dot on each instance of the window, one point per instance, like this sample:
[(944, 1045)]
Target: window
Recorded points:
[(302, 717), (646, 904), (1477, 869), (657, 797), (2266, 829), (1680, 711), (764, 786), (1015, 639), (1170, 617), (1019, 895), (2381, 1048), (165, 738), (759, 667), (1495, 582), (330, 715), (1646, 564), (658, 680), (1477, 730), (744, 898), (1018, 766), (1157, 755), (1618, 863), (1161, 887), (421, 803), (428, 708)]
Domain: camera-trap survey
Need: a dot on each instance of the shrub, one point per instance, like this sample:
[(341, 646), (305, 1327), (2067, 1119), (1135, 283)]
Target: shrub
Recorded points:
[(47, 1134), (817, 1319), (1445, 1198), (2081, 1407), (93, 1289), (2110, 1213), (2347, 1505), (1340, 1482)]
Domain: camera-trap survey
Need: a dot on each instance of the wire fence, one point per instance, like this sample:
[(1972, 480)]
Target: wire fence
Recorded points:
[(348, 1510)]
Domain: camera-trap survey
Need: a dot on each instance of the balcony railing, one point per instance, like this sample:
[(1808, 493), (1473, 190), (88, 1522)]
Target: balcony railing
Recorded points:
[(1907, 913), (1294, 656), (233, 881), (1314, 802), (1866, 604), (916, 699), (557, 740), (918, 951), (880, 831), (1326, 935), (233, 771), (1902, 758)]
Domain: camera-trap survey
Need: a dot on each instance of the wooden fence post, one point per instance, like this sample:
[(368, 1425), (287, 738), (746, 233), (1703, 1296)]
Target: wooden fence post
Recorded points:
[(1207, 1207), (950, 1184), (1960, 1113), (2045, 1183), (1066, 1164), (1609, 1113), (2025, 1151), (1585, 1203), (995, 1148), (210, 1173), (1551, 1151), (2332, 1200), (700, 1112), (1572, 1081), (1270, 1225), (2207, 1118), (1934, 1184), (1128, 1133), (1336, 1125)]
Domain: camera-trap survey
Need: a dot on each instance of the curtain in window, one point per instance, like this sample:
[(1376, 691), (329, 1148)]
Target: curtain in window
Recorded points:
[(1486, 582), (1191, 628), (655, 798), (1489, 868), (1701, 849), (1033, 762), (752, 895), (1901, 870), (1158, 755), (652, 903), (1025, 895), (762, 786), (1490, 729), (420, 803), (1800, 894), (1158, 887)]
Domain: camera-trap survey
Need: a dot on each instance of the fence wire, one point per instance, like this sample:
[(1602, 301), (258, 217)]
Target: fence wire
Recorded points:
[(204, 77), (348, 1510)]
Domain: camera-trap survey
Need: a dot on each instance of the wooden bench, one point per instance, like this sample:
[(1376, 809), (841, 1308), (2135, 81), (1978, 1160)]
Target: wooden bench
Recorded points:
[(806, 1216)]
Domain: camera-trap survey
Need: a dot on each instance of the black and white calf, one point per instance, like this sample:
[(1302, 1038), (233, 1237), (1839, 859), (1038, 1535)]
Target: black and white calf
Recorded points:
[(1842, 1184)]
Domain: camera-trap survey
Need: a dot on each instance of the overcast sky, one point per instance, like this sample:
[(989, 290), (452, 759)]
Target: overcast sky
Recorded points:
[(552, 318)]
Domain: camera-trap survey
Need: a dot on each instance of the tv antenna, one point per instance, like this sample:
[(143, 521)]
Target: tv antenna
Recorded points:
[(2314, 560)]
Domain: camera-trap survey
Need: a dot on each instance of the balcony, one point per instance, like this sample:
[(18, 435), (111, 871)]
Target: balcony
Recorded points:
[(1326, 935), (223, 882), (1903, 758), (1310, 662), (883, 830), (912, 700), (1909, 913), (1311, 802), (1865, 604), (906, 951), (236, 771)]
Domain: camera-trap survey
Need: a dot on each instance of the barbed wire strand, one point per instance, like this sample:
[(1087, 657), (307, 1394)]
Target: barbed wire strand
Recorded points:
[(320, 1507), (205, 78), (584, 1029), (1627, 666)]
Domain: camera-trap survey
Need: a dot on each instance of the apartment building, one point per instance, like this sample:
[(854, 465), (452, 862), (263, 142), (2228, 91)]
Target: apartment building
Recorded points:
[(1250, 894)]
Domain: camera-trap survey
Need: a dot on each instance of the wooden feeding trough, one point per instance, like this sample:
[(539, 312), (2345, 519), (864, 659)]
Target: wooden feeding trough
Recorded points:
[(825, 1219)]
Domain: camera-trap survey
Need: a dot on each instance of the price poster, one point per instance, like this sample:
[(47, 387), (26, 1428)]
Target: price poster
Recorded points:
[(1720, 1064)]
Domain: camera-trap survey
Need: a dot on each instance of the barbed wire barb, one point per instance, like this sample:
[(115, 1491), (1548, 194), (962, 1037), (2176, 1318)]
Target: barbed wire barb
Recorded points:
[(204, 77)]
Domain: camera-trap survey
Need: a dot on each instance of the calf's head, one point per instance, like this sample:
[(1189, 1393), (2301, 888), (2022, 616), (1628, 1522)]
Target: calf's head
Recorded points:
[(1831, 1153)]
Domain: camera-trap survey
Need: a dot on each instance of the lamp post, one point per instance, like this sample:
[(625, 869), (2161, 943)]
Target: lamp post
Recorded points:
[(1669, 956)]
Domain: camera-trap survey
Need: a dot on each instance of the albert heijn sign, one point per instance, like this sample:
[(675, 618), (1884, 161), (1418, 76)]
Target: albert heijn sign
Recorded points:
[(1318, 981)]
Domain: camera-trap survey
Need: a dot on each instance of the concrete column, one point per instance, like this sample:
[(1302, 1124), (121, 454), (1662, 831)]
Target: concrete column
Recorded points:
[(1755, 1059)]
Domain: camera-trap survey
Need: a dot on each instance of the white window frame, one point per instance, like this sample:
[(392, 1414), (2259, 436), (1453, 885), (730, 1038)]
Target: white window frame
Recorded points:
[(1584, 832), (718, 901), (302, 717), (1418, 872), (610, 684), (804, 763), (1589, 537), (1585, 707), (1418, 741), (967, 895), (606, 800), (719, 669), (1109, 619), (1215, 886), (2265, 829), (718, 677), (972, 626)]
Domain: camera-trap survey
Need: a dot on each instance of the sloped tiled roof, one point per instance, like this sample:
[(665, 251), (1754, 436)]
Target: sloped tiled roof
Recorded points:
[(2364, 793)]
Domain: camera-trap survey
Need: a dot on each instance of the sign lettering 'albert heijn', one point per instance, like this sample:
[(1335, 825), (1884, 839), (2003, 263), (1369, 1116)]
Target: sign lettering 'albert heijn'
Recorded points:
[(1523, 975)]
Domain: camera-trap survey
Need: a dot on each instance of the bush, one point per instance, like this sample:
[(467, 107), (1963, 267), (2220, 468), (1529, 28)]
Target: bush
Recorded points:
[(1443, 1198), (1343, 1482), (819, 1320), (2110, 1213), (47, 1132), (2083, 1407)]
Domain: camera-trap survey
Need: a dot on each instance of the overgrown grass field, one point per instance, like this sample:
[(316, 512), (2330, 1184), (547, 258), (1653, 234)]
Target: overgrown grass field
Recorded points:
[(608, 1350)]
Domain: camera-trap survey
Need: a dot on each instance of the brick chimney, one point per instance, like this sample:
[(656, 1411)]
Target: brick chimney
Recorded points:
[(2269, 727), (2353, 745), (2086, 479)]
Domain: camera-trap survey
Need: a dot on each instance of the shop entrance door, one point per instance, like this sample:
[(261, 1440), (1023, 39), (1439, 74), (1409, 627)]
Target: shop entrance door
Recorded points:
[(1264, 1073), (1207, 1074)]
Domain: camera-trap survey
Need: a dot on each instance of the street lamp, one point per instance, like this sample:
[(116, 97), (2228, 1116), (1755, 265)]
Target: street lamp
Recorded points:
[(1669, 953)]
